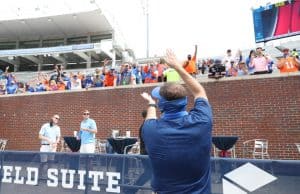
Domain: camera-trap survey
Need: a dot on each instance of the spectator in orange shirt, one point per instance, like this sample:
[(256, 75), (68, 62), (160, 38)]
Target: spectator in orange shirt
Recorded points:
[(61, 85), (110, 77), (288, 63), (190, 64)]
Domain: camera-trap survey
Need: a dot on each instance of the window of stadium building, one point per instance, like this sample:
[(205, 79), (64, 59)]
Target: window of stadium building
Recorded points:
[(53, 42), (29, 44), (7, 45), (98, 38), (77, 40)]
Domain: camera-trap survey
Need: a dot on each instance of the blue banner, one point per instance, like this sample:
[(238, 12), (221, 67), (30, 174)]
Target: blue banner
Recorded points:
[(46, 50), (24, 173)]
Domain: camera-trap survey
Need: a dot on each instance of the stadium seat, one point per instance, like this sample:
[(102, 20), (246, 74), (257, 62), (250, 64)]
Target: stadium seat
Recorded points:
[(132, 149), (63, 146), (100, 146), (3, 143), (258, 148), (231, 152), (298, 147)]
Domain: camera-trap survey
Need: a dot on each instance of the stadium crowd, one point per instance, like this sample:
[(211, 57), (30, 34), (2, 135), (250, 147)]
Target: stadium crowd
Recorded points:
[(257, 62)]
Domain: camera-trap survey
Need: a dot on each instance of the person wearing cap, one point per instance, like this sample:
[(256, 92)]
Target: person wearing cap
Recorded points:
[(288, 63), (98, 79), (179, 142), (12, 87)]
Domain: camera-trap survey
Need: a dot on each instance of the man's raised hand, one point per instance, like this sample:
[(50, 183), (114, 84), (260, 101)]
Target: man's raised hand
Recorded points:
[(147, 97), (172, 59)]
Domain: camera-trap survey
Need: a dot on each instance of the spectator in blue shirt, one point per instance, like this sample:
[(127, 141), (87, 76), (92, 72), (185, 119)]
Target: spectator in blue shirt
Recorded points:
[(67, 82), (126, 75), (2, 76), (87, 133), (136, 71), (12, 87), (88, 81), (249, 59), (40, 87), (179, 142), (29, 88)]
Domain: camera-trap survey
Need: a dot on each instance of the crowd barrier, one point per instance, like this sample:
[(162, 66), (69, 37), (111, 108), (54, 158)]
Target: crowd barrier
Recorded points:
[(61, 173)]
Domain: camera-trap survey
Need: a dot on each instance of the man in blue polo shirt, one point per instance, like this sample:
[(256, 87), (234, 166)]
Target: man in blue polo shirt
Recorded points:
[(87, 133), (179, 142)]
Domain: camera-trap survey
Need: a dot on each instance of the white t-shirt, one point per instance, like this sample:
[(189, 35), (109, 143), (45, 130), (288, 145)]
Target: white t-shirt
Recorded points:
[(226, 61), (50, 132), (76, 84)]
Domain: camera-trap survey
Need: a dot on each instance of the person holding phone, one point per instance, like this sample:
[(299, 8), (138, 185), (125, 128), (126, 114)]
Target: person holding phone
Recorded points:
[(261, 62)]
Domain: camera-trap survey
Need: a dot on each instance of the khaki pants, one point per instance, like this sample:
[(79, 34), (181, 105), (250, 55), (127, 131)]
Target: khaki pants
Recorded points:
[(87, 148)]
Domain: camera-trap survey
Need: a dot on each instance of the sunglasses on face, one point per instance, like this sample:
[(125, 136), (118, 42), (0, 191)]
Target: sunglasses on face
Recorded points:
[(56, 118), (86, 113)]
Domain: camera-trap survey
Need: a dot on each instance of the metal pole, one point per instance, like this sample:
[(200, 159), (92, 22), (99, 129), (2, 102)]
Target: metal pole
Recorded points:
[(113, 64), (147, 27)]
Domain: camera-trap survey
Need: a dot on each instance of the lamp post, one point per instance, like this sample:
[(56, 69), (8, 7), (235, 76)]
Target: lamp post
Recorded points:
[(145, 7), (147, 26)]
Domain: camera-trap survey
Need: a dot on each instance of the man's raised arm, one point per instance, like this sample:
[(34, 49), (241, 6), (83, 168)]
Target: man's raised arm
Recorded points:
[(193, 85)]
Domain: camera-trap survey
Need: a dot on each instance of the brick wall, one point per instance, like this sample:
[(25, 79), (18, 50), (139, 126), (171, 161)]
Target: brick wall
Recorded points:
[(266, 106)]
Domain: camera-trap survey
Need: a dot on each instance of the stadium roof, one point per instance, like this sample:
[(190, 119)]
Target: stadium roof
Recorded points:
[(84, 23), (36, 34)]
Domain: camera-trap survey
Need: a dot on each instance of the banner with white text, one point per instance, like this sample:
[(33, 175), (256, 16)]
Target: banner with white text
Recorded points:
[(73, 173)]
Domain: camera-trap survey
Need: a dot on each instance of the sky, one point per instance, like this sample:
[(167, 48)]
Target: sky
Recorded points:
[(214, 26)]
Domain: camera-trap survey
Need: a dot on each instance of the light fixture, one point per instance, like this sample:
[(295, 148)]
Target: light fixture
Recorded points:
[(49, 20), (74, 16), (23, 21)]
